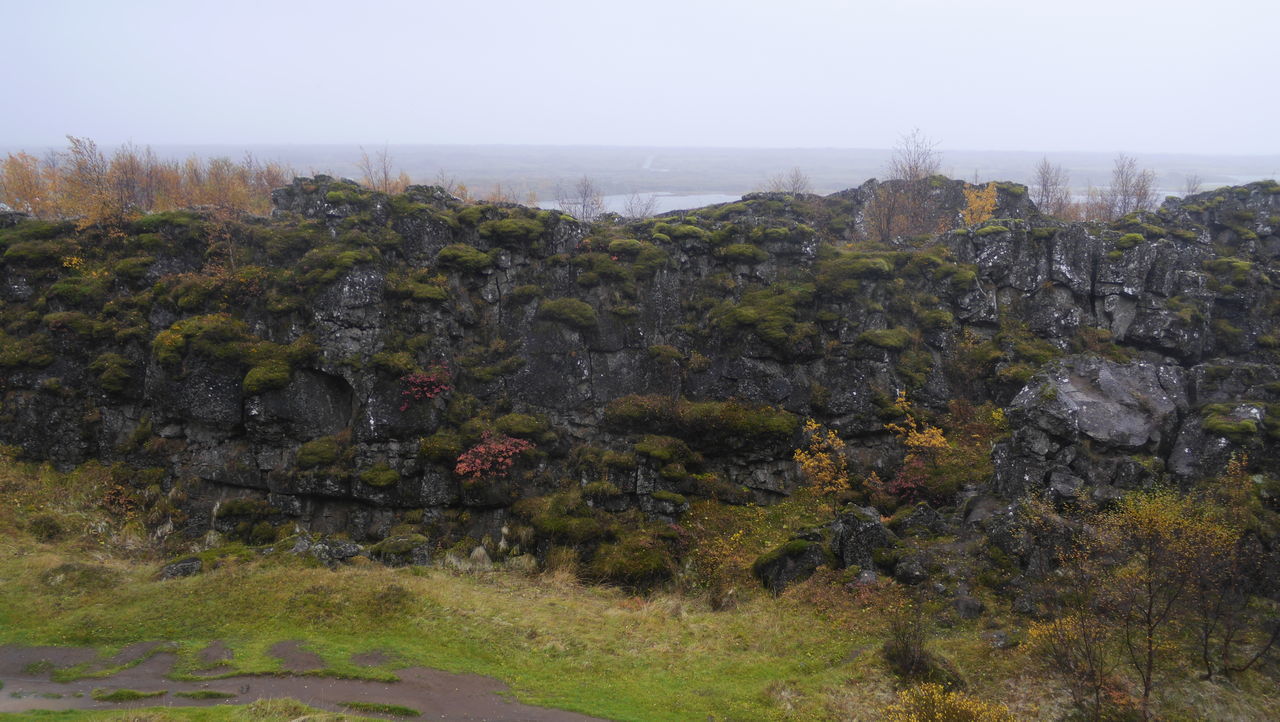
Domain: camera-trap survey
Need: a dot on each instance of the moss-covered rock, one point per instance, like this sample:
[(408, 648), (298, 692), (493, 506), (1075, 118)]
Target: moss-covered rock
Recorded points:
[(324, 451), (570, 312), (789, 563), (270, 375), (636, 560), (464, 258), (380, 474), (890, 339)]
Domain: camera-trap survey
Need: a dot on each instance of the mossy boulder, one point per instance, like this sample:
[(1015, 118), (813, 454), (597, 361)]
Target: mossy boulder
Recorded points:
[(856, 536), (403, 549), (789, 563)]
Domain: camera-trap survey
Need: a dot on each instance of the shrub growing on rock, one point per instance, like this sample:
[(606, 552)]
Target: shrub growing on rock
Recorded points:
[(425, 385), (492, 457)]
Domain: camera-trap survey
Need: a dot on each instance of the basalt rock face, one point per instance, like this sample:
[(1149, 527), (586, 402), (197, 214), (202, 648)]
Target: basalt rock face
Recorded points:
[(1090, 421), (272, 359)]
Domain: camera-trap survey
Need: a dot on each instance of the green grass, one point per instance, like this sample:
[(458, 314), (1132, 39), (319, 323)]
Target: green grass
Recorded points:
[(667, 656), (205, 694), (808, 654), (123, 695), (380, 708), (659, 658)]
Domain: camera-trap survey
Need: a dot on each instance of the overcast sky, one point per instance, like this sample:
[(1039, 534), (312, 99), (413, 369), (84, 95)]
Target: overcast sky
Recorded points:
[(1104, 75)]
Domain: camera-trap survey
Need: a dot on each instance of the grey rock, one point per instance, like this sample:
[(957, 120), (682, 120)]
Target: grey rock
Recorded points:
[(856, 534), (330, 551), (1065, 486), (182, 568), (1116, 409), (910, 570), (794, 561)]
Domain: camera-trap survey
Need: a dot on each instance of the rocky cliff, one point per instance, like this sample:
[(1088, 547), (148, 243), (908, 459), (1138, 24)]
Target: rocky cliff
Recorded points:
[(330, 365)]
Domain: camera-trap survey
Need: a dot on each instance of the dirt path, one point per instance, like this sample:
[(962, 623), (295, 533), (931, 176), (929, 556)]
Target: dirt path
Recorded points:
[(26, 673)]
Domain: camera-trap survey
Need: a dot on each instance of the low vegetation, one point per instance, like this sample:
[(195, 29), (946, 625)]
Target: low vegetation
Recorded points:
[(810, 653)]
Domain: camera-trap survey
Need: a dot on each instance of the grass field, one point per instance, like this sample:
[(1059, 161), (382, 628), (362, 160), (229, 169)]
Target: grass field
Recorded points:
[(811, 654)]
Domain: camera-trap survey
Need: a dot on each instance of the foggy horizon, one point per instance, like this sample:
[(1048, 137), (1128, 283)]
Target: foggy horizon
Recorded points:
[(1141, 77)]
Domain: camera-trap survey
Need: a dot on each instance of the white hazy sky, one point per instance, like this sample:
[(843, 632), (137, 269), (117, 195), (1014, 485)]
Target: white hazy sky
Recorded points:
[(1105, 75)]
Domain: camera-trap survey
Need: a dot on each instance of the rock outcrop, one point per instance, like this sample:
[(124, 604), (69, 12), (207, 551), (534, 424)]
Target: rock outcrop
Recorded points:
[(262, 373)]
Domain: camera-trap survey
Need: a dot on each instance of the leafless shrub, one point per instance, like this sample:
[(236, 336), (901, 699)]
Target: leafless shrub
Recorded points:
[(582, 200), (1051, 190), (793, 182), (638, 207)]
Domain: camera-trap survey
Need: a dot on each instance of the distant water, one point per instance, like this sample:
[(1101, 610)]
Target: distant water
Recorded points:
[(662, 202)]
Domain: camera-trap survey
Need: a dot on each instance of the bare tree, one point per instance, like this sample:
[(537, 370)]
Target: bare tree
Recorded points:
[(379, 172), (793, 182), (447, 181), (1051, 190), (905, 205), (915, 157), (451, 185), (638, 207), (582, 200), (499, 193), (1132, 188), (1191, 184)]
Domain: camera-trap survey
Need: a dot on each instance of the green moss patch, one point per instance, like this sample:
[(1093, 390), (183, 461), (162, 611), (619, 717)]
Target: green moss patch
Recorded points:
[(703, 423), (30, 351), (637, 559), (890, 339), (512, 231), (112, 371), (463, 257), (570, 312), (772, 313), (324, 451), (562, 517), (1229, 421), (267, 376), (205, 694), (742, 253), (394, 710), (380, 474), (123, 695)]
